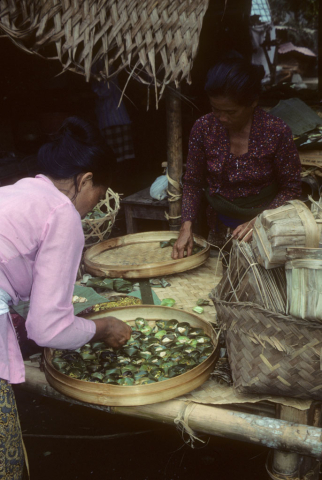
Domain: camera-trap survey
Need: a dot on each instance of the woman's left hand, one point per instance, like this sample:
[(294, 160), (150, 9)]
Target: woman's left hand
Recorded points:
[(245, 231)]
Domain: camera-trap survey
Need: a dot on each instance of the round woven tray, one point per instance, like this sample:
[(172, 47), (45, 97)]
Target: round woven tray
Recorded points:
[(114, 395), (140, 256)]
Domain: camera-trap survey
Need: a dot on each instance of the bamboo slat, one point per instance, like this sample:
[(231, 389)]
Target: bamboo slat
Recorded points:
[(275, 230), (304, 283), (155, 41), (104, 394), (140, 256)]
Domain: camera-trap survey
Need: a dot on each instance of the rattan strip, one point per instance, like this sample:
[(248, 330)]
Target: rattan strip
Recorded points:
[(246, 281), (146, 37)]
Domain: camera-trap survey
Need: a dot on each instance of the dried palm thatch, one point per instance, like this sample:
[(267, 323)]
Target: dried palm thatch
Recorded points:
[(244, 280), (155, 41)]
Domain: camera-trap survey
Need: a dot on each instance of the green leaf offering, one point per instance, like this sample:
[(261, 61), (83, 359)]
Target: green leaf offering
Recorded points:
[(168, 302), (99, 282), (164, 244), (195, 249), (198, 310), (121, 285), (117, 284), (201, 302)]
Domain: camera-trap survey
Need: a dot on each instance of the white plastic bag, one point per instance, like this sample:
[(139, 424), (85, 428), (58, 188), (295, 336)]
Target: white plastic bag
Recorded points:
[(158, 189)]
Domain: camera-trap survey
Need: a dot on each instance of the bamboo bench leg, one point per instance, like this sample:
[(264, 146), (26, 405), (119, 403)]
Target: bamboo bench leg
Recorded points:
[(288, 465)]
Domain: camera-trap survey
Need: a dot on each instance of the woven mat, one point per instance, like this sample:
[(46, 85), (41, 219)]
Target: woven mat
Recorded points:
[(135, 254), (187, 287), (215, 393)]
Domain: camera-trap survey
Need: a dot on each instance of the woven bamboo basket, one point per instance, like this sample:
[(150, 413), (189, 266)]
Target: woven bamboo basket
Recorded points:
[(304, 283), (276, 230), (270, 353), (140, 256), (98, 229), (104, 394)]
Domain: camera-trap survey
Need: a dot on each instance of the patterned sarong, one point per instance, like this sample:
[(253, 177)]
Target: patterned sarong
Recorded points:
[(11, 449), (119, 138)]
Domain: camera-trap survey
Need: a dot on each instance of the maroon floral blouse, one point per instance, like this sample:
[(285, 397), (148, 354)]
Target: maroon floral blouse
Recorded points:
[(272, 157)]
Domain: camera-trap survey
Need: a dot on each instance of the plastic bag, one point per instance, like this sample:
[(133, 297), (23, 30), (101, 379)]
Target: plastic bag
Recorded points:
[(158, 189)]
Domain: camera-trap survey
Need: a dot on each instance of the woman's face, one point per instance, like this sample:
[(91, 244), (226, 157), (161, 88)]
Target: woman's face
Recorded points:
[(232, 115), (88, 196)]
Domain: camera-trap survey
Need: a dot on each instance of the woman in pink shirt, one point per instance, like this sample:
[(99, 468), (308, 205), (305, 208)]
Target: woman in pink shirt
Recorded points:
[(41, 243)]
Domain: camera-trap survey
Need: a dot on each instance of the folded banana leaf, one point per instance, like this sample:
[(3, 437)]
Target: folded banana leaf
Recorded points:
[(117, 284)]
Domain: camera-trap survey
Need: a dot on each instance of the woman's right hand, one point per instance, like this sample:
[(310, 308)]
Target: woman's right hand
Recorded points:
[(112, 331), (184, 242)]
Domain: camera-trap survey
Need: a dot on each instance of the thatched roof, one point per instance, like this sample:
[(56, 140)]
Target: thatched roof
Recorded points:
[(154, 40)]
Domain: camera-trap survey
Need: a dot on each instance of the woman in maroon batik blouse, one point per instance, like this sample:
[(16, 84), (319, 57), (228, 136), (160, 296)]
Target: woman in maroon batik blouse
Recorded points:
[(238, 153)]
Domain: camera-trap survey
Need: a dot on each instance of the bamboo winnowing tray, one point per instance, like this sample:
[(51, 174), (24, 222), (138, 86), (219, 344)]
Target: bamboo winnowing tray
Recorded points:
[(140, 256), (104, 394)]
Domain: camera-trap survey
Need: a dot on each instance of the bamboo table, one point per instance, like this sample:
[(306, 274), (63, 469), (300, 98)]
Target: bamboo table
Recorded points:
[(295, 436)]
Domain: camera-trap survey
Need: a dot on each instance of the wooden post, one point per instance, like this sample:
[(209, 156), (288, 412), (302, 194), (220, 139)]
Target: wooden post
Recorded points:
[(174, 155), (292, 465)]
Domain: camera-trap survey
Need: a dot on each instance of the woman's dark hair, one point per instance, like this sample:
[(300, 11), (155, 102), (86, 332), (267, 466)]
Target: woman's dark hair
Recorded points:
[(78, 148), (237, 79)]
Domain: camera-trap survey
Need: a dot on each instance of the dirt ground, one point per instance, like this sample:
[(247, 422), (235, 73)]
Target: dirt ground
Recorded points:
[(148, 451)]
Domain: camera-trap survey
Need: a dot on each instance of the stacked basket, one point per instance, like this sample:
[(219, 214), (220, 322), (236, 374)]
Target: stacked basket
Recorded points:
[(272, 351)]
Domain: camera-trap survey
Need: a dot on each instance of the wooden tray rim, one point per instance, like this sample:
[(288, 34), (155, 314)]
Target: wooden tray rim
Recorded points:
[(135, 238)]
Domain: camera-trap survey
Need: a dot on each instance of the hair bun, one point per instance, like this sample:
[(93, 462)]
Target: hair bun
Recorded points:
[(77, 128)]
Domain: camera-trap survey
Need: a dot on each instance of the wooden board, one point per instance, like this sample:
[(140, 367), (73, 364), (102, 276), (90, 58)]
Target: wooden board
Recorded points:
[(104, 394), (140, 256)]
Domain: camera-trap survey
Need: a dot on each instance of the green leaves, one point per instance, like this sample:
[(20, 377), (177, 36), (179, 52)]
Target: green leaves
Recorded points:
[(198, 310), (202, 302), (117, 284), (168, 302)]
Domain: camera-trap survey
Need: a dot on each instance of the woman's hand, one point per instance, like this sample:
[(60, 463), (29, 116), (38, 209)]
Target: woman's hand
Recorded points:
[(245, 231), (184, 242), (112, 331)]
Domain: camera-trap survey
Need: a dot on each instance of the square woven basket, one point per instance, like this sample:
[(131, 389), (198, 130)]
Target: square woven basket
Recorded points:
[(271, 353)]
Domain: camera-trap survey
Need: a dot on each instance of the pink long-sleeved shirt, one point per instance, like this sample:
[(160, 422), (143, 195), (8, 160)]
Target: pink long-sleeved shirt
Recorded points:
[(41, 242)]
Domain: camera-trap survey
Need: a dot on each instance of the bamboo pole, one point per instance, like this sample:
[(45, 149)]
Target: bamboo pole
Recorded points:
[(269, 432), (174, 155)]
